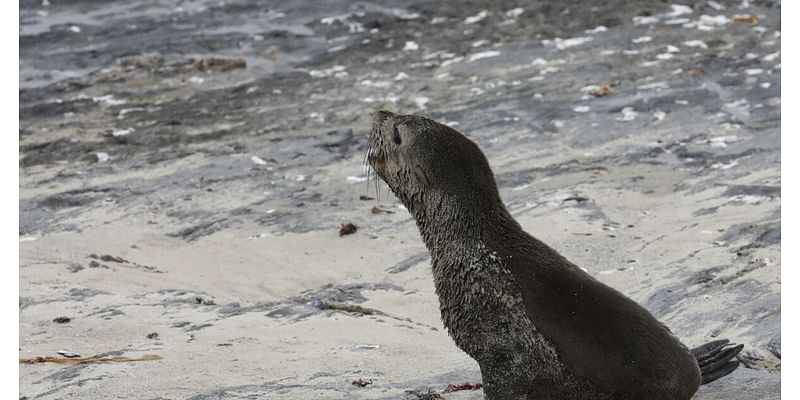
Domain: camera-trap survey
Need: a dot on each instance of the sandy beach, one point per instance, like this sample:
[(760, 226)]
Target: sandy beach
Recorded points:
[(186, 166)]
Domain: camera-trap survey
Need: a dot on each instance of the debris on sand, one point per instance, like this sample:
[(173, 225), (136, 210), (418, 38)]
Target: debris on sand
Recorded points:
[(62, 320), (476, 18), (379, 210), (695, 72), (100, 157), (317, 303), (354, 309), (514, 13), (75, 268), (68, 354), (152, 335), (577, 199), (366, 347), (119, 260), (603, 90), (433, 395), (347, 229), (148, 61), (79, 360), (628, 114), (205, 302), (745, 19), (464, 386), (429, 395), (70, 85), (219, 64), (364, 197), (258, 160), (362, 383), (582, 109), (484, 54), (108, 258), (411, 46), (95, 264), (350, 308)]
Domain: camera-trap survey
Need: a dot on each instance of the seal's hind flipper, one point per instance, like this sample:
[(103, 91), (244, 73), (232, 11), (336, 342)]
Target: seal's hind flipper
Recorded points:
[(716, 359), (721, 371), (709, 348)]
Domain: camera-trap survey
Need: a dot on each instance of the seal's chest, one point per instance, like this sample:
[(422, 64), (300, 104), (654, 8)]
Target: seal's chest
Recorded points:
[(479, 281), (477, 298)]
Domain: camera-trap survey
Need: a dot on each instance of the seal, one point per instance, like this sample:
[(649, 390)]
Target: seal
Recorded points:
[(538, 326)]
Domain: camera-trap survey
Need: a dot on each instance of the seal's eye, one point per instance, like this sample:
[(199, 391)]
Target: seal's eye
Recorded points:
[(396, 137)]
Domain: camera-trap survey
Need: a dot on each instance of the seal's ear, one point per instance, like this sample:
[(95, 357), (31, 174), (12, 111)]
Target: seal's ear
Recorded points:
[(421, 175)]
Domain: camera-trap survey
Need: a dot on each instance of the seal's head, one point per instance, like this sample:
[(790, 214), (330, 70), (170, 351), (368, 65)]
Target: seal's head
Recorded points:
[(430, 166)]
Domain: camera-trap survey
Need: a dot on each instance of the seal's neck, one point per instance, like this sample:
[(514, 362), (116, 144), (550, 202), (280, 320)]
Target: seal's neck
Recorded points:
[(446, 220)]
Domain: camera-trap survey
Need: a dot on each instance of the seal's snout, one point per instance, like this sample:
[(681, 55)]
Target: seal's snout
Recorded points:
[(379, 119), (376, 153)]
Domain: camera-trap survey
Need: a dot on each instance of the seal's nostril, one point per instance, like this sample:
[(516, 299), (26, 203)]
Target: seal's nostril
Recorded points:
[(396, 137)]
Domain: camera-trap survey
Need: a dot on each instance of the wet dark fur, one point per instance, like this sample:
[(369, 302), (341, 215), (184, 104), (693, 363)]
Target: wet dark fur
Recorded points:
[(538, 326)]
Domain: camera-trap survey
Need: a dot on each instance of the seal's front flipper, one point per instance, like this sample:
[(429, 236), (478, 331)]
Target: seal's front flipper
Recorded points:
[(716, 359)]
